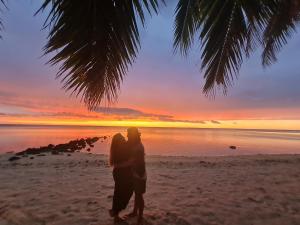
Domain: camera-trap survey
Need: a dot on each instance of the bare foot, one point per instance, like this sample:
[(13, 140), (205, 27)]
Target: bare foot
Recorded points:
[(111, 213), (119, 220), (130, 215)]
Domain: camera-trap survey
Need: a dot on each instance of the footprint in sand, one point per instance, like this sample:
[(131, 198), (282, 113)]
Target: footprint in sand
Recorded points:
[(172, 218), (20, 217)]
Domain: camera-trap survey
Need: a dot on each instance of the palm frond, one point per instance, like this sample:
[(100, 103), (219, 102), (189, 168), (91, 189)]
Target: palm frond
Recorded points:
[(224, 33), (187, 15), (3, 4), (94, 42), (229, 31), (281, 25)]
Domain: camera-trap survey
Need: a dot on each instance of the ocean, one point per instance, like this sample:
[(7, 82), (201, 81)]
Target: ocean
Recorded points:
[(159, 141)]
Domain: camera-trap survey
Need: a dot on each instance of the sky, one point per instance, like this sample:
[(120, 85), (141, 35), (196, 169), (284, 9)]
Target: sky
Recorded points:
[(161, 89)]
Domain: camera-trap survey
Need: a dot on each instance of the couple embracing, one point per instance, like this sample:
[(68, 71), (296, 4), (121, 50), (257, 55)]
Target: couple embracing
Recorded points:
[(129, 172)]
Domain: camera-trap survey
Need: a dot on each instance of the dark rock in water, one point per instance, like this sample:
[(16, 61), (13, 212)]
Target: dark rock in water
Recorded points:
[(13, 158), (51, 146), (232, 147), (69, 154), (91, 141), (55, 152), (104, 137), (88, 149), (31, 157), (71, 146)]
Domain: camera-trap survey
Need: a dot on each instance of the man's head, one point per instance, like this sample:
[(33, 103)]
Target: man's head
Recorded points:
[(133, 135)]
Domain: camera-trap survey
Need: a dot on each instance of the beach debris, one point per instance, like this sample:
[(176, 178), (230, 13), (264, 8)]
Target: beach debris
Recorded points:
[(232, 147), (14, 158), (70, 147)]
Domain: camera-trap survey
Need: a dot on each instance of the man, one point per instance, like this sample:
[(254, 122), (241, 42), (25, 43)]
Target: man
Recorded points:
[(138, 172)]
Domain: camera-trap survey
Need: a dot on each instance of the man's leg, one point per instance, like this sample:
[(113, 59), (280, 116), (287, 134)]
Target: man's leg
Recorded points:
[(135, 208), (141, 205)]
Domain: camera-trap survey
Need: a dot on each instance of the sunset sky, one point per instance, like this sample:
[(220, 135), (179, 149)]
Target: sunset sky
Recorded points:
[(161, 89)]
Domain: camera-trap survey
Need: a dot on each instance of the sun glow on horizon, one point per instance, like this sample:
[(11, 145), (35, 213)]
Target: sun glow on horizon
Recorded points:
[(231, 124)]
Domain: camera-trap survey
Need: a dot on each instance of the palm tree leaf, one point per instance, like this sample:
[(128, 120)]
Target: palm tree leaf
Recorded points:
[(224, 33), (229, 31), (187, 15), (2, 2), (94, 42), (280, 27)]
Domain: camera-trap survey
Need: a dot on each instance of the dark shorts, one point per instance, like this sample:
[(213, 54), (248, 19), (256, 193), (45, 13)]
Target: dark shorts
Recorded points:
[(139, 186)]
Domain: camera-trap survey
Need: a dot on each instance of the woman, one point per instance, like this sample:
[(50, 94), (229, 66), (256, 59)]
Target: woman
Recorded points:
[(119, 154)]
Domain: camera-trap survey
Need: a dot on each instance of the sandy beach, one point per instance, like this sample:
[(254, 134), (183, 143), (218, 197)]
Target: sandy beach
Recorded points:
[(77, 190)]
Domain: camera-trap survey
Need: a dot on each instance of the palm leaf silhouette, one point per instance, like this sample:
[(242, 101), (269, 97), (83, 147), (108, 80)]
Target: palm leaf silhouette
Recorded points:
[(94, 42), (230, 30), (2, 3), (280, 27)]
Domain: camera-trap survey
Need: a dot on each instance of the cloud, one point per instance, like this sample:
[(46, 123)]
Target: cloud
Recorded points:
[(129, 113), (215, 122)]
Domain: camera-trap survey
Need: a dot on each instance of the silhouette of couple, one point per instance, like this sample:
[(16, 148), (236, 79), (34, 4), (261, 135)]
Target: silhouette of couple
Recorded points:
[(129, 172)]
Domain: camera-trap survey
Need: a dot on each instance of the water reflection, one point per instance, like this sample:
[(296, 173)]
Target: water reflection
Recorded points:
[(159, 141)]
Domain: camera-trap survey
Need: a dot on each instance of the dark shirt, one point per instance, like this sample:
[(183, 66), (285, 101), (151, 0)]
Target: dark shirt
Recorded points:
[(122, 154), (138, 155)]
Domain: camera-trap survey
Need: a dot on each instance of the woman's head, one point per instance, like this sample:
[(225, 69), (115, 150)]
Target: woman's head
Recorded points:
[(133, 135), (117, 142)]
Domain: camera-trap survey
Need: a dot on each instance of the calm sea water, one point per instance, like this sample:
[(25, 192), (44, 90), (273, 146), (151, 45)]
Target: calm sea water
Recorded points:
[(159, 141)]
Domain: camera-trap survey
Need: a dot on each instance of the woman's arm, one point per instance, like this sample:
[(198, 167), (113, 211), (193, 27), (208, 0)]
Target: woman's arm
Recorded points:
[(124, 164)]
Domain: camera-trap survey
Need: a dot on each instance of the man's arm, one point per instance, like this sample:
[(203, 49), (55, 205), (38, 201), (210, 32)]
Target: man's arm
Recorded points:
[(124, 164)]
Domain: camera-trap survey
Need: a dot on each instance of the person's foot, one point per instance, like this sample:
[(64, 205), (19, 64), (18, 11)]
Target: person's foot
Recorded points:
[(111, 213), (130, 215), (119, 220), (140, 220)]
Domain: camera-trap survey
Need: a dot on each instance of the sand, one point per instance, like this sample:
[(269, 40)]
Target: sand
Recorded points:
[(77, 190)]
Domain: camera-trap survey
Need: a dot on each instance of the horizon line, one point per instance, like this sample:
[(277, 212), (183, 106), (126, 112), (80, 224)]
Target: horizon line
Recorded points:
[(166, 127)]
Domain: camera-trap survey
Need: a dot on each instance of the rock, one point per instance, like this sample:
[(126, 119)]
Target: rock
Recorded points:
[(55, 152), (69, 154), (14, 158), (232, 147), (31, 157), (71, 146), (51, 146), (88, 149), (10, 152)]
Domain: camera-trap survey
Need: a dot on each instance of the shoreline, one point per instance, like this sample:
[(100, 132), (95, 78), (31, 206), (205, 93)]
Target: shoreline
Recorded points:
[(12, 153)]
